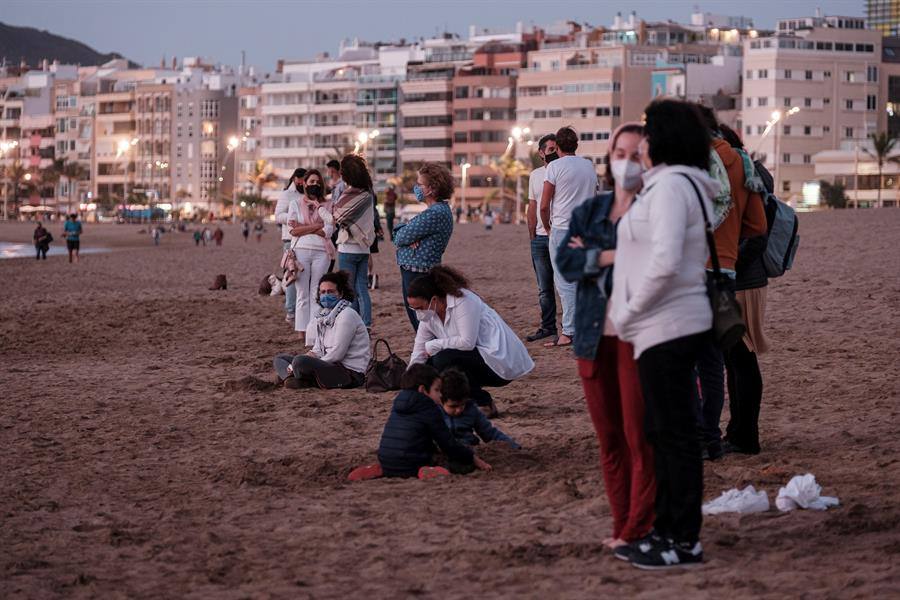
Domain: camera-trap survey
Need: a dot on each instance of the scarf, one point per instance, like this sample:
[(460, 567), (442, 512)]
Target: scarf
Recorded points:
[(325, 319), (722, 202), (347, 211), (309, 210)]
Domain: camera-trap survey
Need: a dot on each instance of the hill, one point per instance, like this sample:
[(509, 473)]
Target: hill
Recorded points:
[(33, 45)]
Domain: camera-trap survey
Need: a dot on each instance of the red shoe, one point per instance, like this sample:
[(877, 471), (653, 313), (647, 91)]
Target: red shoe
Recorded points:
[(367, 472), (433, 472)]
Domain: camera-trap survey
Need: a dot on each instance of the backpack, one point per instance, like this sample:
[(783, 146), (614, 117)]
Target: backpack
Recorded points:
[(783, 225)]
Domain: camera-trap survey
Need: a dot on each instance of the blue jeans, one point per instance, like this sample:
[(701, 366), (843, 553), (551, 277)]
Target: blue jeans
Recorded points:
[(406, 277), (543, 269), (357, 267), (566, 289), (290, 292)]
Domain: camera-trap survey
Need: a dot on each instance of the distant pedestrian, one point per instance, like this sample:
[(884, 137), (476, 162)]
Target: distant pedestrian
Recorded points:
[(245, 230), (459, 212), (197, 237), (258, 228), (390, 210), (489, 219), (72, 233), (218, 235), (42, 239), (207, 235), (155, 234)]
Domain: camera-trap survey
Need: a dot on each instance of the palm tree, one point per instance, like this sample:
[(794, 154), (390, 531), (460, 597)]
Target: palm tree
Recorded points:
[(510, 170), (15, 174), (337, 153), (50, 178), (882, 145), (262, 176), (74, 173)]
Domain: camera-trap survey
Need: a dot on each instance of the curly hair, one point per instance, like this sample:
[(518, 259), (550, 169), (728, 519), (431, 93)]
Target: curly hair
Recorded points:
[(355, 172), (439, 281), (342, 280), (439, 179), (418, 374)]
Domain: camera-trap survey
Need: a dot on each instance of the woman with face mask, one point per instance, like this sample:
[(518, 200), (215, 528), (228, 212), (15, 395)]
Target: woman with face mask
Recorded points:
[(338, 340), (421, 242), (311, 226), (458, 329), (606, 363)]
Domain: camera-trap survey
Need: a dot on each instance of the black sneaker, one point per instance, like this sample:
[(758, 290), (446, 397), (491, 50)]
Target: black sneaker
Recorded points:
[(666, 554), (642, 545), (539, 335)]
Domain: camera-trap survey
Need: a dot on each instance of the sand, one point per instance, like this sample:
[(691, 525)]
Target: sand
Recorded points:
[(145, 453)]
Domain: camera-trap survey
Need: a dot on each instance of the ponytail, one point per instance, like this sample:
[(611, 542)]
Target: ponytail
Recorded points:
[(439, 281)]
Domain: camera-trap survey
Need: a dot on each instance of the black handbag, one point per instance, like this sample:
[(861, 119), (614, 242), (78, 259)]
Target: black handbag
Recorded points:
[(728, 323), (384, 375)]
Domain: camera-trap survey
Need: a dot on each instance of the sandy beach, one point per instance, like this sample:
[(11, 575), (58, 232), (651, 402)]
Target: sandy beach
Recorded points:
[(146, 453)]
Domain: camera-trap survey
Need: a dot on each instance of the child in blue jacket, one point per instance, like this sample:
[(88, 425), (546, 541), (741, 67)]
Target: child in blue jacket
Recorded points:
[(466, 421)]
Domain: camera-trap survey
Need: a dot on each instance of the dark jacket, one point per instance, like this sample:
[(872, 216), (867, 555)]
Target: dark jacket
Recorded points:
[(751, 272), (591, 223), (42, 237), (413, 428), (471, 425)]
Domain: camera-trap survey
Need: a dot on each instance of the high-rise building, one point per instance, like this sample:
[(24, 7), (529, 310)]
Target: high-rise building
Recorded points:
[(884, 16)]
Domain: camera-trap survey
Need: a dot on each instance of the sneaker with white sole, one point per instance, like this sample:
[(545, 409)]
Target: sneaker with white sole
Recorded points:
[(642, 545), (667, 554)]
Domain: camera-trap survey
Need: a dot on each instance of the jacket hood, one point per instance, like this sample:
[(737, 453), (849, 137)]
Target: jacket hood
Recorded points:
[(700, 177), (411, 401)]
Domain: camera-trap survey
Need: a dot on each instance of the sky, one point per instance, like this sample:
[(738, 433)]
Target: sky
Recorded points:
[(267, 30)]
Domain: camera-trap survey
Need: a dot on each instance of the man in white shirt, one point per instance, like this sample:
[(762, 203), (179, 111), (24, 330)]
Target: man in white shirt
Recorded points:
[(569, 181), (290, 194), (540, 242)]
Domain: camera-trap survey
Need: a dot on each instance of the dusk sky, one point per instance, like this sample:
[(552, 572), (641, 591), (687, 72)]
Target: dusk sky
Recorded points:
[(144, 31)]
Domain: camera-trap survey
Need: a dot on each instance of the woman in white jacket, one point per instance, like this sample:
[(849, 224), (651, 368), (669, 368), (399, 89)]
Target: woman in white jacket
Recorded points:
[(660, 305), (458, 329), (311, 227), (292, 191)]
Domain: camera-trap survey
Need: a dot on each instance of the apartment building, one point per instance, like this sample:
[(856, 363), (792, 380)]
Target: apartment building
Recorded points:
[(153, 151), (249, 125), (812, 87), (884, 16), (74, 117)]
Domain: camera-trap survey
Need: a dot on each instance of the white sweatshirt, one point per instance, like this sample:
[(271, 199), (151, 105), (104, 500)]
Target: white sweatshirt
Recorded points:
[(659, 282), (346, 342), (281, 210)]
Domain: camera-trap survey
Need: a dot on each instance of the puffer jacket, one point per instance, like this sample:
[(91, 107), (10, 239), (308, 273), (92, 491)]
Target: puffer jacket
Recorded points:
[(472, 425), (413, 428)]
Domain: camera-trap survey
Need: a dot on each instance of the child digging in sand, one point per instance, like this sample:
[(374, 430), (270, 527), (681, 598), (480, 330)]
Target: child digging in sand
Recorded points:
[(413, 428), (464, 420)]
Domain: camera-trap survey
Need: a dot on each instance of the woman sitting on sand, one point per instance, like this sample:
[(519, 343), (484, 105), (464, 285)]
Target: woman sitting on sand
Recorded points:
[(338, 338), (458, 329)]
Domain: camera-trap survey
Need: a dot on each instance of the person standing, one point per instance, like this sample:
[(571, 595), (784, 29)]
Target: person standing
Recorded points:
[(218, 235), (310, 225), (291, 194), (540, 242), (259, 229), (198, 236), (421, 242), (72, 233), (245, 230), (660, 305), (609, 373), (390, 210), (354, 213), (42, 239), (334, 179), (155, 234), (569, 181)]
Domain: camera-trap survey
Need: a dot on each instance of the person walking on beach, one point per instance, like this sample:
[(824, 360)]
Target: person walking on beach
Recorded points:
[(42, 239), (155, 234), (390, 210), (290, 195), (259, 229), (198, 236), (218, 236), (354, 213), (311, 224), (207, 236), (569, 181), (245, 230), (421, 242), (660, 305), (609, 373), (72, 233), (540, 242)]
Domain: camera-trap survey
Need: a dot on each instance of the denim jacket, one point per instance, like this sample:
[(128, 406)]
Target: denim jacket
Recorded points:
[(431, 229), (591, 223)]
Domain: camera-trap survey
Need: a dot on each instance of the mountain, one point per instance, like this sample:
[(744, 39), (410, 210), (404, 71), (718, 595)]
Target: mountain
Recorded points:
[(33, 46)]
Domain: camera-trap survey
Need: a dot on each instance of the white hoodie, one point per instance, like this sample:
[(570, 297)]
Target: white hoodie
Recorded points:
[(659, 281)]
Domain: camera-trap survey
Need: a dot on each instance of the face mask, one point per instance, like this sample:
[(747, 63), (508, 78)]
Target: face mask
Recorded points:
[(549, 158), (627, 173), (419, 193), (427, 314), (314, 190), (328, 300)]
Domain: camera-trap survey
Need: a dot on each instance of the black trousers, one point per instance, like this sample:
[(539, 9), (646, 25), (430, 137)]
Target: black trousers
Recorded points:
[(745, 388), (479, 374), (308, 369), (668, 382)]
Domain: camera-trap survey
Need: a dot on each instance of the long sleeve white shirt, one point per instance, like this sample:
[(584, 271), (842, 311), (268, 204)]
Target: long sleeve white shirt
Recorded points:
[(659, 283), (345, 343), (311, 241), (285, 199), (470, 323)]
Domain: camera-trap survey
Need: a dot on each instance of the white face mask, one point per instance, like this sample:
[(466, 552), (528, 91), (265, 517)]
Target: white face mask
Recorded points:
[(627, 173), (427, 314)]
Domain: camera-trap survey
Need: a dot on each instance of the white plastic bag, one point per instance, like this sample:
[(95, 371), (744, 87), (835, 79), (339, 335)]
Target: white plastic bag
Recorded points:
[(802, 491), (747, 500)]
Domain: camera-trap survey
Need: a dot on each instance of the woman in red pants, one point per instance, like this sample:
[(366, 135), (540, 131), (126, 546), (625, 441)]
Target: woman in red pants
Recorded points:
[(605, 363)]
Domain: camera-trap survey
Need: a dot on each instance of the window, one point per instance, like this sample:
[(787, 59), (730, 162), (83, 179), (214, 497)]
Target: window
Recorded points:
[(749, 102), (849, 76), (848, 104), (807, 159), (786, 158), (540, 114), (460, 115), (807, 130), (762, 74), (749, 74), (870, 102), (807, 102), (787, 73), (586, 137), (808, 75), (826, 129), (555, 114), (787, 130), (460, 137), (848, 132), (460, 159), (461, 92), (749, 130), (602, 135), (760, 129), (787, 102), (785, 186), (762, 101), (826, 101), (872, 74), (616, 111), (826, 75)]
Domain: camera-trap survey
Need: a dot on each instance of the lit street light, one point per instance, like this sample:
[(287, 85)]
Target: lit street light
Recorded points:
[(465, 168)]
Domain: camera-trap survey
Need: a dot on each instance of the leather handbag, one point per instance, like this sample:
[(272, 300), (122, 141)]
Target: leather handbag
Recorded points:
[(728, 323), (384, 375)]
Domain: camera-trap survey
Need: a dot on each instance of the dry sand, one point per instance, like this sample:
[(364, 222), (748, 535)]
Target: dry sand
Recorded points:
[(145, 456)]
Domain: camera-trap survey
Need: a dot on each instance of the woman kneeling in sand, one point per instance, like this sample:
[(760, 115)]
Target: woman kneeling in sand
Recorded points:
[(339, 340)]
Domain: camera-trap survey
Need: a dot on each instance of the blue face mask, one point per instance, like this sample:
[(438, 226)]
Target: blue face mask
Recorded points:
[(328, 300), (419, 193)]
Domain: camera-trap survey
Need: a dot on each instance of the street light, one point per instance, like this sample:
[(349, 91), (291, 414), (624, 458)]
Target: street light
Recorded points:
[(233, 143), (123, 147), (776, 117), (465, 168)]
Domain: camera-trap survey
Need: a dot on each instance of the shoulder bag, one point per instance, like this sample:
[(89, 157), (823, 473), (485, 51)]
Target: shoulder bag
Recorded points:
[(384, 375)]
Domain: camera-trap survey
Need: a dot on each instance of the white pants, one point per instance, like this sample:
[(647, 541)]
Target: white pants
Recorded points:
[(315, 264)]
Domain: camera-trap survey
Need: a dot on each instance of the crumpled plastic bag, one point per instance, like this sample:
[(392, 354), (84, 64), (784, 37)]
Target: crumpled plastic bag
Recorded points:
[(802, 491), (747, 500)]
